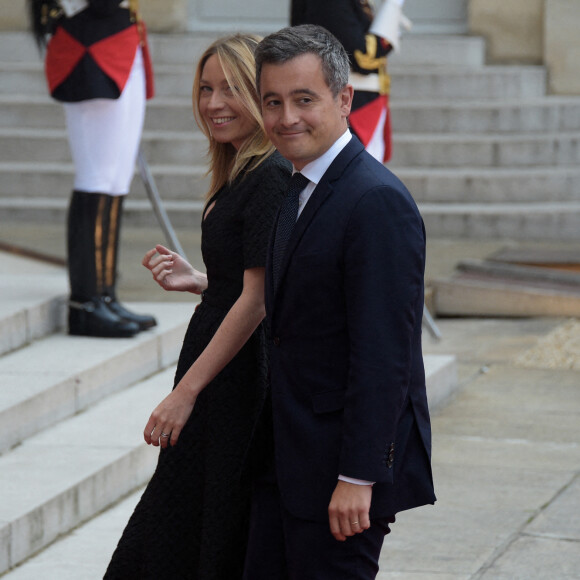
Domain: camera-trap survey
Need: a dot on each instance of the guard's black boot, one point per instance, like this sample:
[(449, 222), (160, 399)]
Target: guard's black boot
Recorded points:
[(89, 314), (114, 214)]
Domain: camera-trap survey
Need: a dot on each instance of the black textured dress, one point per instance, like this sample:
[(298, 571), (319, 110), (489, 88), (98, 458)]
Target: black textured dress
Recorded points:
[(191, 523)]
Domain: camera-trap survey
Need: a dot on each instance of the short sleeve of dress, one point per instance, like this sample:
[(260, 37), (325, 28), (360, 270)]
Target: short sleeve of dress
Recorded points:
[(266, 188)]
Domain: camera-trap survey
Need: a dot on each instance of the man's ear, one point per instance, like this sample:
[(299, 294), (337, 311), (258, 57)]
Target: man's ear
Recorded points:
[(345, 97)]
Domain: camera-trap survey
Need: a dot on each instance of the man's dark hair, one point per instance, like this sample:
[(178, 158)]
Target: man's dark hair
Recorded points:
[(288, 43)]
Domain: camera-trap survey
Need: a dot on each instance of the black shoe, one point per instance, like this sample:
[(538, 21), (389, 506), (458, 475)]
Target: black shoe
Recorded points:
[(94, 318), (144, 321)]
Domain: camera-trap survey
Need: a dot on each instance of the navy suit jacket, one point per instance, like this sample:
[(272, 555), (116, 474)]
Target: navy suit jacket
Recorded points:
[(348, 383)]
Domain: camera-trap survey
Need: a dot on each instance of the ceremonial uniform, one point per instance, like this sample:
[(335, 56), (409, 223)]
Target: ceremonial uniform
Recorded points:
[(97, 64), (368, 36)]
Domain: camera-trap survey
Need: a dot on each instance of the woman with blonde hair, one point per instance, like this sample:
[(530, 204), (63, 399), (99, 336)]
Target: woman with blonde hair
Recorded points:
[(192, 519)]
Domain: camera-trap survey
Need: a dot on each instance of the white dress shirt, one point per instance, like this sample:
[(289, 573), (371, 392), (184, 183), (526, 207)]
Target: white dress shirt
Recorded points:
[(317, 168)]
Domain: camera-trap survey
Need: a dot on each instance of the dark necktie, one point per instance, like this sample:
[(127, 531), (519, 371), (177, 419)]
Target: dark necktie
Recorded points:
[(286, 221)]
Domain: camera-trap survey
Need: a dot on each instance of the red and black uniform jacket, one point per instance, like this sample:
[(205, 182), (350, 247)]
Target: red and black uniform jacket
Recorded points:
[(90, 55)]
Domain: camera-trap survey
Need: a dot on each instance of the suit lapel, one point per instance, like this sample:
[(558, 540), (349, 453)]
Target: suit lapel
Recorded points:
[(322, 191)]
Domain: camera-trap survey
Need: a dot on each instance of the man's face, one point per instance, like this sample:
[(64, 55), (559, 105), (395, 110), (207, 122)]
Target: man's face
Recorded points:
[(301, 116)]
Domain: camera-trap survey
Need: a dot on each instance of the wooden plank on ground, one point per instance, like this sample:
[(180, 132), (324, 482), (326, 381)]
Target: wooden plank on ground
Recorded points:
[(487, 288)]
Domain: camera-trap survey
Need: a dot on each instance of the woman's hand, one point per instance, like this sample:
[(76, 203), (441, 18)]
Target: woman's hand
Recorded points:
[(169, 417), (172, 272)]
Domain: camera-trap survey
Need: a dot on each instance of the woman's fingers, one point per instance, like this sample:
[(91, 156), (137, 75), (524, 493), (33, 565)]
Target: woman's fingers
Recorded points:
[(160, 265), (147, 257), (163, 250), (149, 432), (164, 438), (156, 435), (154, 257), (163, 266)]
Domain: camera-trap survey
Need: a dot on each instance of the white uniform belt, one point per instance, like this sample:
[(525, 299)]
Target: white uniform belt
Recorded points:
[(362, 82), (72, 7)]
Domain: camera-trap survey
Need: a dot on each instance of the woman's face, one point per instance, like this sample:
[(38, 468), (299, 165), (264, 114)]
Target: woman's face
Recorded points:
[(228, 121)]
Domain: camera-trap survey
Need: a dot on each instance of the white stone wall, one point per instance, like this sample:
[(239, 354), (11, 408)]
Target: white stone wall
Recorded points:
[(428, 16), (438, 16), (248, 15)]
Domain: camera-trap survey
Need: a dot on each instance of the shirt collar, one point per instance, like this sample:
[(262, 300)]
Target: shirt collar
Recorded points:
[(317, 168)]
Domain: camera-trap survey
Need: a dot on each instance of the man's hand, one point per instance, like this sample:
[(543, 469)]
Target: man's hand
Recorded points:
[(348, 512)]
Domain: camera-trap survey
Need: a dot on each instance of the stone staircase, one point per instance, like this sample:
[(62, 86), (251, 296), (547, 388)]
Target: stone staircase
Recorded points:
[(485, 152), (72, 410)]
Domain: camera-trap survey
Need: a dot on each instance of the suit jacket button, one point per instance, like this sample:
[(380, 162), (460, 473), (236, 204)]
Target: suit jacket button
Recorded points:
[(276, 341)]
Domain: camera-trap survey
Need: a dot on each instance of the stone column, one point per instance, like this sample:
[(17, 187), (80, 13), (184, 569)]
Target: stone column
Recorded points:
[(513, 29), (13, 15), (165, 15), (562, 45)]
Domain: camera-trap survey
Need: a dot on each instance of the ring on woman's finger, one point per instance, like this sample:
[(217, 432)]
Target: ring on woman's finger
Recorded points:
[(354, 523), (164, 434)]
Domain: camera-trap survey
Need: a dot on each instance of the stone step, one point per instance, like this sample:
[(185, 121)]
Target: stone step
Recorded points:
[(416, 49), (136, 212), (69, 374), (422, 49), (86, 551), (424, 150), (42, 187), (441, 378), (54, 181), (545, 114), (33, 301), (492, 185), (489, 82), (484, 288), (51, 146), (64, 476), (439, 49), (518, 221)]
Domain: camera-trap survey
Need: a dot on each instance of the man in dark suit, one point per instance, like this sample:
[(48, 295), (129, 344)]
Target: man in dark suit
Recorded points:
[(344, 302)]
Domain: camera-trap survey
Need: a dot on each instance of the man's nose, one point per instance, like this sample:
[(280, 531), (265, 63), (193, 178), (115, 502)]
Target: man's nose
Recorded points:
[(289, 116)]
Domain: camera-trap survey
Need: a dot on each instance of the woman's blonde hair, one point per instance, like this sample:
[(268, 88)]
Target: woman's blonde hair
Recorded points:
[(236, 57)]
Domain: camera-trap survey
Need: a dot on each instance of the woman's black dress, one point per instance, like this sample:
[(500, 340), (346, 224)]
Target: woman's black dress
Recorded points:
[(191, 522)]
